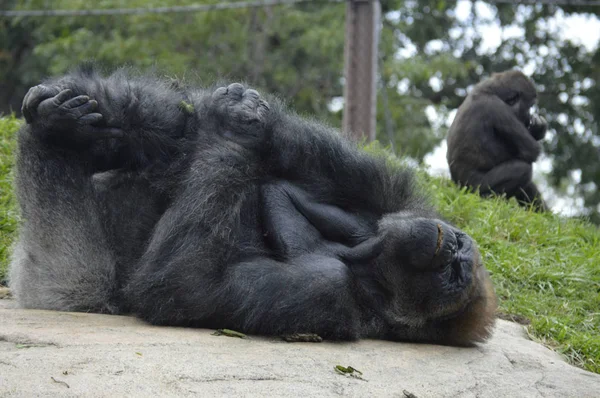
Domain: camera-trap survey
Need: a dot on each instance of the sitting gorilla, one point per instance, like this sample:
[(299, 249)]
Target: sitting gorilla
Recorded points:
[(216, 209), (492, 142)]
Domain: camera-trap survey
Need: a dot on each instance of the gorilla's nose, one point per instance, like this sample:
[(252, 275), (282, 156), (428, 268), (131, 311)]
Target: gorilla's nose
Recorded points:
[(446, 246)]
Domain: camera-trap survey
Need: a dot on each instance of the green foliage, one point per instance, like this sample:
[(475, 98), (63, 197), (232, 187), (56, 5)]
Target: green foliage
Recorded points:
[(297, 52), (8, 208)]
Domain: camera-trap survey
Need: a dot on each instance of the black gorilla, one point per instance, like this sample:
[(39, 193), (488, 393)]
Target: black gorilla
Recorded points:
[(217, 209), (492, 142)]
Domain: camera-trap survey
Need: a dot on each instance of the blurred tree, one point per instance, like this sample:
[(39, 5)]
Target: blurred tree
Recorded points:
[(430, 56)]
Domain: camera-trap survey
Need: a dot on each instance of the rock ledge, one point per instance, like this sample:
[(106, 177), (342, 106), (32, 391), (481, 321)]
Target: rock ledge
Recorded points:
[(44, 353)]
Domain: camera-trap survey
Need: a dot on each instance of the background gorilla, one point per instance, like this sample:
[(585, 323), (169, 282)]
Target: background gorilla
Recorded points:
[(492, 141), (216, 209)]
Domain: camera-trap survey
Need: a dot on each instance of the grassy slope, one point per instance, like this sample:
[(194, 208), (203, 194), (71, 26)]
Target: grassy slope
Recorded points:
[(8, 213), (545, 268)]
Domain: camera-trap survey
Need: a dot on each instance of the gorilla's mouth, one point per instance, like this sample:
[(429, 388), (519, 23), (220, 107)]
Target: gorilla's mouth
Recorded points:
[(465, 277), (460, 276), (455, 259), (463, 262)]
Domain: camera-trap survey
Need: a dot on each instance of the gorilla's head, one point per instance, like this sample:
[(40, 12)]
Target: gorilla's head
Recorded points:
[(436, 282), (514, 89)]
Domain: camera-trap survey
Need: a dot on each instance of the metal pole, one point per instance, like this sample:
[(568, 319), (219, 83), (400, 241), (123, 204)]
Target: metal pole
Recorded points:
[(360, 70)]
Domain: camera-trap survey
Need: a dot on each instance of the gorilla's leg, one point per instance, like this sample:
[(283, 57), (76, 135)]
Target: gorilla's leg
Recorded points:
[(295, 224), (529, 194), (512, 178), (507, 177), (93, 180), (63, 259)]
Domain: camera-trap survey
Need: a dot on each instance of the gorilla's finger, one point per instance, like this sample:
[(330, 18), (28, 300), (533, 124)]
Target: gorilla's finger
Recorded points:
[(37, 94), (26, 110), (252, 94), (61, 97), (75, 102), (33, 98), (85, 109), (47, 106), (220, 92), (263, 104), (91, 118), (25, 106), (363, 252)]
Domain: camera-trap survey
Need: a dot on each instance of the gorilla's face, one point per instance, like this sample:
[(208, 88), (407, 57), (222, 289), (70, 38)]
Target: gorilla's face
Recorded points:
[(434, 272), (521, 106)]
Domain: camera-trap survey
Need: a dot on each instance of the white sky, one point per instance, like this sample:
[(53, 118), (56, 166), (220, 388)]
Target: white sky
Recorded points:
[(580, 29)]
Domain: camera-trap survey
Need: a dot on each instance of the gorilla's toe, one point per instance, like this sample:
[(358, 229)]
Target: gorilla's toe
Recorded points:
[(235, 90)]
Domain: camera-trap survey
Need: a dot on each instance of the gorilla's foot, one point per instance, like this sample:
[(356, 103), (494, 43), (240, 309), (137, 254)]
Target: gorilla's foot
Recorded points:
[(57, 110), (242, 113), (241, 104)]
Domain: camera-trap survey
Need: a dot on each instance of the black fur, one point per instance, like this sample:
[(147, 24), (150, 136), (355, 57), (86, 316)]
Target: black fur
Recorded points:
[(214, 208), (492, 142)]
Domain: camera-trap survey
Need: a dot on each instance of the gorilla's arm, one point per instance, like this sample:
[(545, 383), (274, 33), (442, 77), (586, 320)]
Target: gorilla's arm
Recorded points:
[(294, 225), (63, 260), (509, 127), (327, 165)]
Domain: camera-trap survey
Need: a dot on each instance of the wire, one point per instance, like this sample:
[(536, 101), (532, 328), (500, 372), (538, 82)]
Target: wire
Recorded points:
[(593, 3), (155, 10), (241, 4)]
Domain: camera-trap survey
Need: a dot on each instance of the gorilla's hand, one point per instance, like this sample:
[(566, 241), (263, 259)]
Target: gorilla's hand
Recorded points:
[(537, 127), (241, 113), (59, 111)]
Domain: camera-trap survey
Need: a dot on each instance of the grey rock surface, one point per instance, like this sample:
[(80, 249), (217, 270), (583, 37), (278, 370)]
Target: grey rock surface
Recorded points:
[(44, 353)]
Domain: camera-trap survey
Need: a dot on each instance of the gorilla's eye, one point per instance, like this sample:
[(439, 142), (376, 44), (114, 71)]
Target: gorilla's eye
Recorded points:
[(512, 100)]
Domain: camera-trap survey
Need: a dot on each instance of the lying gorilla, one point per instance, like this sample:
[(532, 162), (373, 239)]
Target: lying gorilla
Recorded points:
[(220, 210)]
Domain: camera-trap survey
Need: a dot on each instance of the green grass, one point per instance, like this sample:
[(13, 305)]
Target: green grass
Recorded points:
[(8, 212), (545, 268)]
